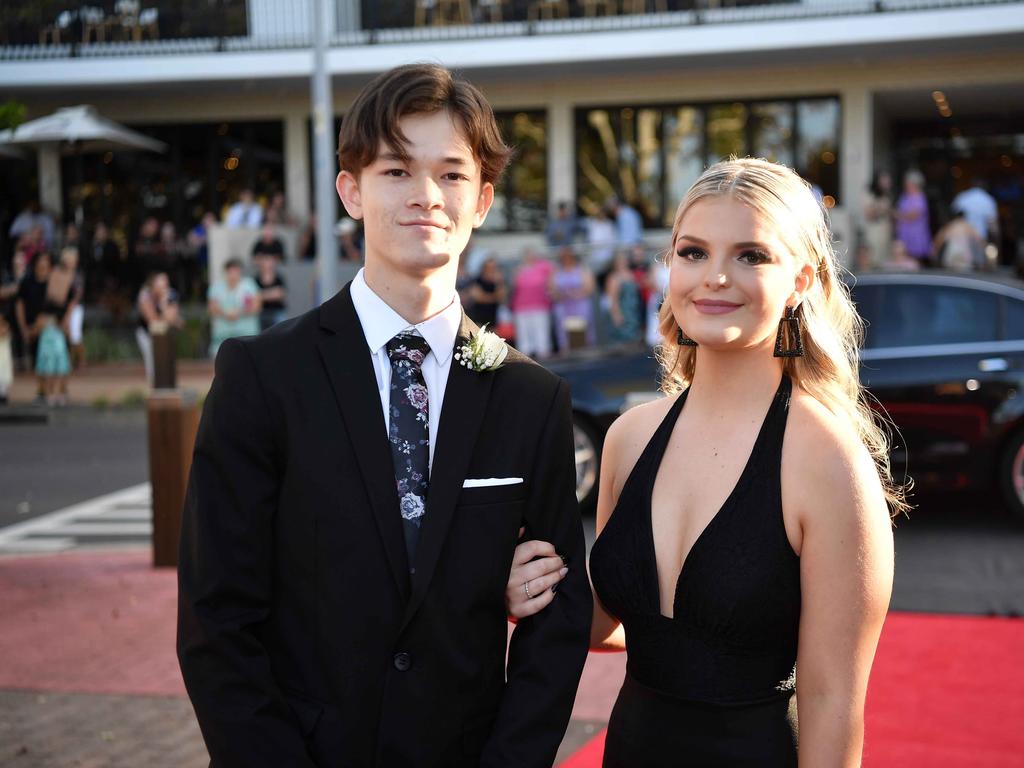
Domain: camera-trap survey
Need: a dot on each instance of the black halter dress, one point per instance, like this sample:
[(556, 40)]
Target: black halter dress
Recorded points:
[(714, 685)]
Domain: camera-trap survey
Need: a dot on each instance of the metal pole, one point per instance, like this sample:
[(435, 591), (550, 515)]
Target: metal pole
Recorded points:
[(324, 164)]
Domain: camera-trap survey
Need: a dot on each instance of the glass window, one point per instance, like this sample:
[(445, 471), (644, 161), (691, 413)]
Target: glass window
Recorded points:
[(1014, 319), (606, 158), (684, 155), (771, 130), (817, 152), (920, 315), (521, 194), (726, 131)]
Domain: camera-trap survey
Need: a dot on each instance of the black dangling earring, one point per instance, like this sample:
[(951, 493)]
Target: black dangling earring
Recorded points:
[(683, 340), (789, 330)]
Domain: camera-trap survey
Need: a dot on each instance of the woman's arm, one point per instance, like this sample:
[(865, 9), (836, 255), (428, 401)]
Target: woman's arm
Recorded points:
[(846, 570), (606, 632)]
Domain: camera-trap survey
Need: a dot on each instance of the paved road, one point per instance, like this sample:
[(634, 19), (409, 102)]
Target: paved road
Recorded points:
[(956, 553)]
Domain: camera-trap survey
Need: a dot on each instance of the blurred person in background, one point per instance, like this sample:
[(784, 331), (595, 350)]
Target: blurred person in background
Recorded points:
[(147, 252), (307, 239), (269, 243), (278, 213), (623, 295), (531, 305), (158, 309), (246, 212), (958, 245), (103, 263), (980, 210), (601, 238), (234, 306), (8, 292), (31, 217), (28, 307), (900, 259), (629, 225), (912, 225), (70, 263), (878, 216), (563, 227), (12, 281), (486, 294), (273, 291), (657, 286), (49, 328), (571, 288), (198, 240)]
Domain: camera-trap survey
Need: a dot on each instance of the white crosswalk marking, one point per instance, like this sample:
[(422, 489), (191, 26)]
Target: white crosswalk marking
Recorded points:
[(119, 518)]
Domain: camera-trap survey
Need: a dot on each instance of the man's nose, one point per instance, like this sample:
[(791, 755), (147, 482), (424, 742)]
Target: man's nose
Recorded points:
[(425, 193)]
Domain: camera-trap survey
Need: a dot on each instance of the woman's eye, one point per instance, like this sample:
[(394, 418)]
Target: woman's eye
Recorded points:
[(690, 253), (755, 257)]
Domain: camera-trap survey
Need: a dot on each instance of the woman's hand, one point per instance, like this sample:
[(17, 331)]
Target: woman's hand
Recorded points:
[(530, 582)]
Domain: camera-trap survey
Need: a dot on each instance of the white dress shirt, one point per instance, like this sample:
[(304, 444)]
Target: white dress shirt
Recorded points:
[(381, 323)]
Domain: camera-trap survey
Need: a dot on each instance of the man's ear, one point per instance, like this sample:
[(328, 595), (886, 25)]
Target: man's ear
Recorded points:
[(483, 203), (348, 190)]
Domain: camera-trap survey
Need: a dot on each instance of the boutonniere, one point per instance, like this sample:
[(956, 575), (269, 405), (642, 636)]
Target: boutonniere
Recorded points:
[(485, 351)]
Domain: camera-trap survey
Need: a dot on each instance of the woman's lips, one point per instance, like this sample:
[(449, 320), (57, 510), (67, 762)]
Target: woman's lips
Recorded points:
[(708, 307)]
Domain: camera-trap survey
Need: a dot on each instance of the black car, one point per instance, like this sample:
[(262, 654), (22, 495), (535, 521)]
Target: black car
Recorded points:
[(943, 355)]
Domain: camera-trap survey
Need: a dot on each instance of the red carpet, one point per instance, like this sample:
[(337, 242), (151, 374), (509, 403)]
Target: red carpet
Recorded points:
[(946, 692)]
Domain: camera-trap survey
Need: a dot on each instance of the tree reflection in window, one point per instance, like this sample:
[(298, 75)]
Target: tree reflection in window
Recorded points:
[(521, 194)]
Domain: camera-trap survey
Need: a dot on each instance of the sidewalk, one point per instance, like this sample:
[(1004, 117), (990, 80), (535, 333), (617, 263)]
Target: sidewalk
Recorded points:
[(89, 677), (112, 384)]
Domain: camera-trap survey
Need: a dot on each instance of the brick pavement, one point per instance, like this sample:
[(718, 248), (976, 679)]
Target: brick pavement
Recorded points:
[(89, 678)]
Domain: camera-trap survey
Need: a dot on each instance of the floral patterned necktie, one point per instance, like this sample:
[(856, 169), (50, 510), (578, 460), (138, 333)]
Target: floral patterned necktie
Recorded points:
[(409, 433)]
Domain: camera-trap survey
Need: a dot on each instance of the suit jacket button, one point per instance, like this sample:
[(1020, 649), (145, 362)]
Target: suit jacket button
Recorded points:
[(403, 662)]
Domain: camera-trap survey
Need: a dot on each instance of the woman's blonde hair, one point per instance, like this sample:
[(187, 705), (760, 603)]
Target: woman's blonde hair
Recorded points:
[(831, 329)]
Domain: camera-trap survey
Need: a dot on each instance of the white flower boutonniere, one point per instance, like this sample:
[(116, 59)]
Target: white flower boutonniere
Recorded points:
[(485, 351)]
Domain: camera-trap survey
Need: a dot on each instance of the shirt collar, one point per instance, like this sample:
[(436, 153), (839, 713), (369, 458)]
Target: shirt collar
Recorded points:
[(381, 323)]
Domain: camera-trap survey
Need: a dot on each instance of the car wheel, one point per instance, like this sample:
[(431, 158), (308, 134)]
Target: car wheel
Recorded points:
[(1011, 474), (588, 460)]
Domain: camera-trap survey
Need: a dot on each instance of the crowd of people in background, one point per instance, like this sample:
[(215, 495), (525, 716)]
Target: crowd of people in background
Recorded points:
[(596, 281), (898, 232)]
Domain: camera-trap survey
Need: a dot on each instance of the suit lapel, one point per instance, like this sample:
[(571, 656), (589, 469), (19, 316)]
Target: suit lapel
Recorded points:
[(465, 400), (350, 370)]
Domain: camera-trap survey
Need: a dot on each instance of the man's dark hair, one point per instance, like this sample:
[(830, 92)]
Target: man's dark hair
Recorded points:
[(411, 90)]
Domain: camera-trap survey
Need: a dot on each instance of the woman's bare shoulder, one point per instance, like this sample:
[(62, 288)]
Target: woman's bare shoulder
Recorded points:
[(629, 434)]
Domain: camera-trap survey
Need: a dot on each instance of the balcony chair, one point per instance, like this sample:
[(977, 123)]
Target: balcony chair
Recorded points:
[(94, 23), (146, 23), (61, 25), (127, 18), (548, 9), (490, 7), (640, 6), (606, 7)]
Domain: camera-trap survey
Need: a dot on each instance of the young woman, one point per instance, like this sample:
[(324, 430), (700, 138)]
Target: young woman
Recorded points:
[(744, 555)]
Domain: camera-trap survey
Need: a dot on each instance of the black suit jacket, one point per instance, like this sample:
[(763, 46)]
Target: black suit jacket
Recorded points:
[(302, 638)]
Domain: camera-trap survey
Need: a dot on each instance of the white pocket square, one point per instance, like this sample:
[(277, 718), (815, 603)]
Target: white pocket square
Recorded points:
[(485, 482)]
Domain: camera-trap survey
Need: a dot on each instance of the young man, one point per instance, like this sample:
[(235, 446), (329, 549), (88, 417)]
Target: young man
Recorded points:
[(357, 493)]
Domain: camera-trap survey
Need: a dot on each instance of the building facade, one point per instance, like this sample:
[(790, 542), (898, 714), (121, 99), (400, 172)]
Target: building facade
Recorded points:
[(631, 99)]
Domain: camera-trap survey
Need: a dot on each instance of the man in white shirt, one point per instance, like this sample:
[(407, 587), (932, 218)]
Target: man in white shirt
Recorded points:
[(980, 210), (245, 213), (360, 481)]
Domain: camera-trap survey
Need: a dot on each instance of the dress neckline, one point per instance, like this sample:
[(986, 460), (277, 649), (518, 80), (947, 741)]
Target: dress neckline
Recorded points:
[(665, 430)]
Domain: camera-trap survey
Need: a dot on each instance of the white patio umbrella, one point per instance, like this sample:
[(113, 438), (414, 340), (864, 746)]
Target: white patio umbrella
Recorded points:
[(76, 131)]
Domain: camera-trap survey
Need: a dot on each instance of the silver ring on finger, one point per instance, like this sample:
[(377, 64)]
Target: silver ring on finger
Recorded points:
[(526, 590)]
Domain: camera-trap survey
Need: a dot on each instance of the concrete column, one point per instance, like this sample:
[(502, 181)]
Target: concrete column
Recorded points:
[(50, 187), (296, 163), (857, 147), (561, 152)]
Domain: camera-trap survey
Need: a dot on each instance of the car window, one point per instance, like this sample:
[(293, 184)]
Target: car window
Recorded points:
[(1014, 319), (866, 299), (919, 315)]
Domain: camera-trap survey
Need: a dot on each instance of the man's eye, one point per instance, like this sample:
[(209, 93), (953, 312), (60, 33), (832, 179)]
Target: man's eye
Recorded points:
[(453, 176), (395, 172), (690, 253)]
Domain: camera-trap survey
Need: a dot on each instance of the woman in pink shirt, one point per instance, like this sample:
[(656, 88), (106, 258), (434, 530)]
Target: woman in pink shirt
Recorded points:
[(531, 305)]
